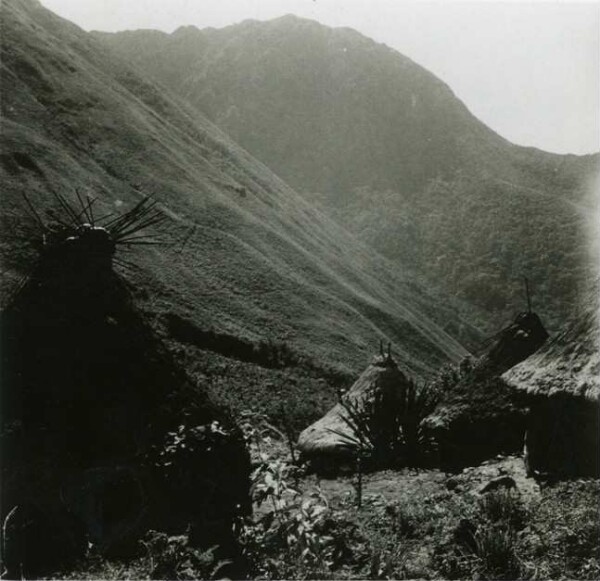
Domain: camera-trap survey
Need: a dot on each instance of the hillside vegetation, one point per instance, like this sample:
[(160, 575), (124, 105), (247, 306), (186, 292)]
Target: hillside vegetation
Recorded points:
[(243, 256), (387, 150)]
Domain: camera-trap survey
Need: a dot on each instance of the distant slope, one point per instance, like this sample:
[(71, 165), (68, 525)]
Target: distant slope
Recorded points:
[(248, 258), (389, 151)]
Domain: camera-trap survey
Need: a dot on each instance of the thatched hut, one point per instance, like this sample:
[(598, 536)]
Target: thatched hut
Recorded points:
[(479, 416), (562, 383), (331, 440), (103, 435)]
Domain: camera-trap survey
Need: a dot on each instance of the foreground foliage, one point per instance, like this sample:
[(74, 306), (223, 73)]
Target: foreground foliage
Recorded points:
[(410, 526)]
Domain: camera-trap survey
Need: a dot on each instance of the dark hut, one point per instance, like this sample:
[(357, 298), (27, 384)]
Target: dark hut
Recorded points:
[(479, 415), (562, 385), (103, 435)]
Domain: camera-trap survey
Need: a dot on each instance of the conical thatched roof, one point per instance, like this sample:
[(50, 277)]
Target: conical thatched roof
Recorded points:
[(330, 436), (567, 364), (524, 336), (478, 392)]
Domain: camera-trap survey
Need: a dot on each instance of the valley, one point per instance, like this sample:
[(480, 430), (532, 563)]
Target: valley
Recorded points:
[(385, 148), (263, 315)]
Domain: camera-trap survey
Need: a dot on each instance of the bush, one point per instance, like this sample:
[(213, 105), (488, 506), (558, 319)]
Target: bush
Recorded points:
[(174, 558), (390, 435), (288, 541), (160, 556)]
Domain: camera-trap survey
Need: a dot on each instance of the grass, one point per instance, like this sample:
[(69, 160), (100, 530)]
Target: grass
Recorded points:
[(563, 533), (411, 526)]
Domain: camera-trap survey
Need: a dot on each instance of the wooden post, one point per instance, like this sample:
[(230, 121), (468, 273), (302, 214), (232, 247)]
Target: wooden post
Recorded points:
[(359, 468)]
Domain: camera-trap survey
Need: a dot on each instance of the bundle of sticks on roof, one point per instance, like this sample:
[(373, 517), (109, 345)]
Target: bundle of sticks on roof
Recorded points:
[(123, 229)]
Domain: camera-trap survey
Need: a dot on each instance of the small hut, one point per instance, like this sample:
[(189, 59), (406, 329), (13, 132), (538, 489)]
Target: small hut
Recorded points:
[(331, 440), (562, 383)]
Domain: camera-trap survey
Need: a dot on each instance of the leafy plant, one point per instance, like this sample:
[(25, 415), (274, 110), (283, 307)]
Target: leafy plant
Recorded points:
[(172, 557), (387, 430), (183, 444), (289, 537)]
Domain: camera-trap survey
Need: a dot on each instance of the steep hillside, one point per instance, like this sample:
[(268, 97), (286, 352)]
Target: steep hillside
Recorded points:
[(388, 150), (251, 280)]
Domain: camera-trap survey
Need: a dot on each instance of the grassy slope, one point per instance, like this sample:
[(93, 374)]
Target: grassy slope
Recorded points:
[(249, 257), (391, 154)]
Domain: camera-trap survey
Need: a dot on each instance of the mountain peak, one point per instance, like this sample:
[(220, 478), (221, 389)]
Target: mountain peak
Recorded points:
[(186, 30), (77, 118), (294, 19)]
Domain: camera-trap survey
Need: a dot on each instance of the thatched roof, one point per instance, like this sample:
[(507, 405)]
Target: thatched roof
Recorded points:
[(567, 364), (477, 393), (328, 436)]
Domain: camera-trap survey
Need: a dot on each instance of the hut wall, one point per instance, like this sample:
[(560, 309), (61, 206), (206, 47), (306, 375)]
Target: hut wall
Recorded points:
[(470, 440), (562, 436)]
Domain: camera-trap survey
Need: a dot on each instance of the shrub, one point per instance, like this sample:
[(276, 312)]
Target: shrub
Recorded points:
[(287, 541), (172, 557), (390, 434)]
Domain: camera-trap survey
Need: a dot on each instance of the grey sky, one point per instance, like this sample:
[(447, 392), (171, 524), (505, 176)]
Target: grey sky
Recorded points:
[(531, 71)]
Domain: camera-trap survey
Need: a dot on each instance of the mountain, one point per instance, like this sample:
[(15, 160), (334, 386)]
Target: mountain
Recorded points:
[(260, 294), (388, 150)]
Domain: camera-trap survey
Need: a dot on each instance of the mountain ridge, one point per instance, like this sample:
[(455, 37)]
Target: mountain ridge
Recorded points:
[(387, 150), (250, 257)]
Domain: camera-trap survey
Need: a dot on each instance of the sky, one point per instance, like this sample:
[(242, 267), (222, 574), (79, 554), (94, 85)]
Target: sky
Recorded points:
[(529, 70)]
